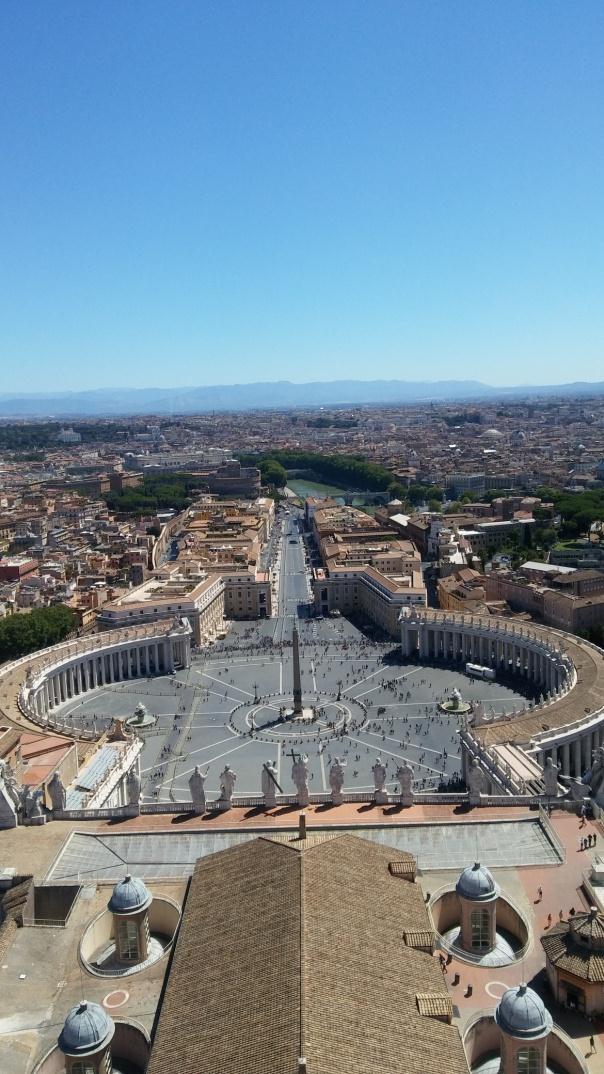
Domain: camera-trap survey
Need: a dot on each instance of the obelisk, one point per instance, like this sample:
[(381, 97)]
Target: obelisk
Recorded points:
[(297, 681)]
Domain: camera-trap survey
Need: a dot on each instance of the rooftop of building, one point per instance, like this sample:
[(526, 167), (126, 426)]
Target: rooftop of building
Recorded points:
[(312, 939)]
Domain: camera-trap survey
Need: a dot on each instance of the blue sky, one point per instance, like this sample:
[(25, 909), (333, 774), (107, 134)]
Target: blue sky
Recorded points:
[(221, 191)]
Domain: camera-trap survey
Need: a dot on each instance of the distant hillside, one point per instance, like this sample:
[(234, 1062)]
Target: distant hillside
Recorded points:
[(277, 394)]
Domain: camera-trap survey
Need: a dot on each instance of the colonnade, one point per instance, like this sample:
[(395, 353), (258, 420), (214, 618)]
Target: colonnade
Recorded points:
[(571, 749), (74, 674), (498, 646)]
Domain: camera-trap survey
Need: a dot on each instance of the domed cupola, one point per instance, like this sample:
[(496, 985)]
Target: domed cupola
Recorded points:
[(129, 904), (477, 893), (129, 896), (521, 1013), (477, 884), (524, 1026), (87, 1031)]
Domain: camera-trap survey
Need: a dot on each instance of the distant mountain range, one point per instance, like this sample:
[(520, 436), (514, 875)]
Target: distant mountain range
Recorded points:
[(111, 402)]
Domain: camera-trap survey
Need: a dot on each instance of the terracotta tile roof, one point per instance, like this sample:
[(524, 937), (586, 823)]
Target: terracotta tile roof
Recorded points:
[(291, 949), (422, 939), (405, 867), (566, 952), (434, 1005)]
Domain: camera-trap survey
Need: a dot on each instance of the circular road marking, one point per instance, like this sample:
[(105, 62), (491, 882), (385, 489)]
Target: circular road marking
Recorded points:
[(116, 999)]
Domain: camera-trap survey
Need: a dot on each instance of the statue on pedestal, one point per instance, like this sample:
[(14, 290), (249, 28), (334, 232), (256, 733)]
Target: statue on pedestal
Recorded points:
[(476, 782), (10, 783), (477, 710), (9, 797), (336, 781), (57, 792), (197, 788), (550, 778), (379, 778), (300, 779), (133, 787), (31, 806), (268, 779), (227, 785), (404, 774)]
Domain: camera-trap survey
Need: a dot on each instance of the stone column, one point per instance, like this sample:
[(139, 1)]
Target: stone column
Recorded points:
[(565, 759), (577, 757)]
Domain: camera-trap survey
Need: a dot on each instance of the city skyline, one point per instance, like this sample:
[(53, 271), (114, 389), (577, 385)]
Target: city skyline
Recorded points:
[(223, 193)]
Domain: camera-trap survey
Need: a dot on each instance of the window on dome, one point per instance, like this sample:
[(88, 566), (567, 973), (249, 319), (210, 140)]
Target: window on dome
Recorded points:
[(480, 926), (81, 1066), (528, 1061), (128, 941)]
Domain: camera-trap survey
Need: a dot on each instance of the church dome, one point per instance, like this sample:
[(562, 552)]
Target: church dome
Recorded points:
[(521, 1013), (129, 896), (87, 1029), (493, 434), (476, 884)]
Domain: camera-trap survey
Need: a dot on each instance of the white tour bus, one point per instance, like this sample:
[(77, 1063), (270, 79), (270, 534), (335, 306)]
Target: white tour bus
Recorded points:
[(479, 672)]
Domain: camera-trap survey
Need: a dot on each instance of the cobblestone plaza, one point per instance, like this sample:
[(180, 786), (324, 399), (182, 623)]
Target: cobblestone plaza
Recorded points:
[(228, 707)]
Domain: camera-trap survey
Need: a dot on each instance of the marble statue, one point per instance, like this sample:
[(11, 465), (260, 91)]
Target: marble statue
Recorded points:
[(31, 806), (10, 783), (550, 778), (477, 710), (228, 779), (379, 778), (476, 782), (300, 779), (336, 780), (133, 786), (268, 779), (57, 792), (404, 774), (117, 732), (197, 788), (9, 797)]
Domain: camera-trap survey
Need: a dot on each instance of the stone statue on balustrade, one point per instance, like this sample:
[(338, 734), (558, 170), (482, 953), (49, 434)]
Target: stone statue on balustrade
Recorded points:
[(269, 784), (336, 781), (550, 778), (477, 713), (300, 779), (380, 775), (117, 732), (133, 787), (9, 797), (404, 774), (31, 806), (476, 782), (58, 794), (228, 778), (197, 789)]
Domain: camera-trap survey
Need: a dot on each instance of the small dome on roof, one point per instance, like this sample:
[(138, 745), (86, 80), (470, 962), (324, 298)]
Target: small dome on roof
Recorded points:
[(86, 1029), (493, 434), (521, 1013), (476, 883), (129, 896)]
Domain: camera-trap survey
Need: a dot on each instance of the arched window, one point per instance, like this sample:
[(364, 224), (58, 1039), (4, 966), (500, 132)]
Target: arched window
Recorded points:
[(81, 1066), (528, 1061), (128, 940), (480, 925)]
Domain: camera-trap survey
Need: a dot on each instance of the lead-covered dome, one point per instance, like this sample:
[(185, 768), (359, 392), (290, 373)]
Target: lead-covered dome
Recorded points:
[(476, 884), (129, 896), (87, 1029), (521, 1013)]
